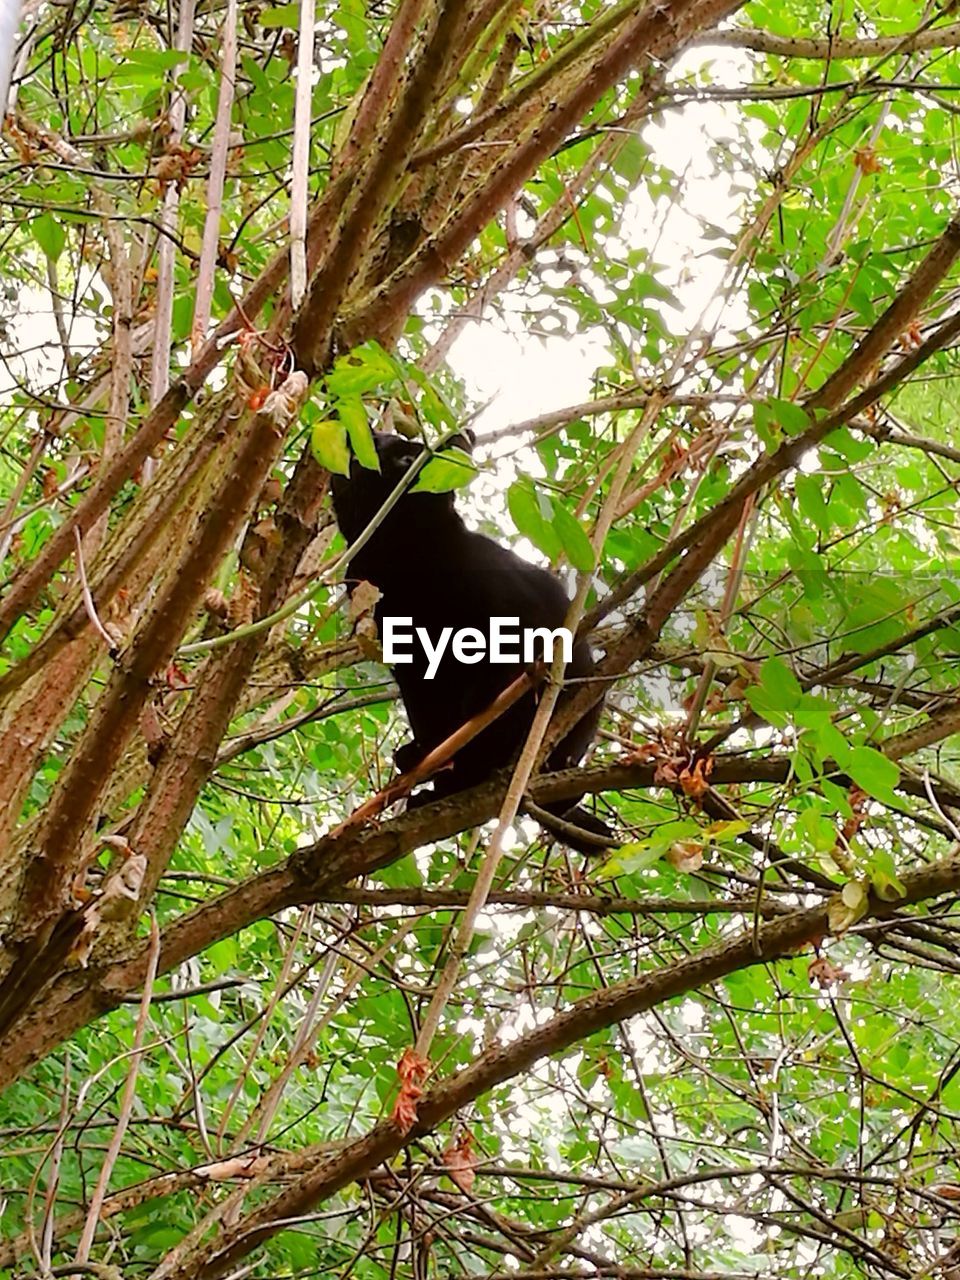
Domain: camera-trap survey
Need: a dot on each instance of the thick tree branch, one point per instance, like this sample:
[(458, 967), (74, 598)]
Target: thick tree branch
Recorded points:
[(659, 32), (45, 892), (30, 581), (312, 328), (320, 871)]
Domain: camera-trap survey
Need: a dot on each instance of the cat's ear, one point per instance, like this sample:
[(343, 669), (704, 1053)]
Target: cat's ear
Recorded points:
[(464, 440)]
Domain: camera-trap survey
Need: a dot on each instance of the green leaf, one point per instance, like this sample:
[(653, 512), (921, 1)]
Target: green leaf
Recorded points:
[(883, 875), (766, 707), (635, 856), (524, 507), (362, 370), (766, 425), (49, 235), (284, 15), (850, 446), (451, 469), (404, 873), (354, 417), (328, 439), (222, 955), (792, 417), (640, 854), (811, 502), (875, 615), (158, 1236), (575, 542), (433, 405), (873, 772), (155, 59), (778, 693), (817, 831), (724, 831)]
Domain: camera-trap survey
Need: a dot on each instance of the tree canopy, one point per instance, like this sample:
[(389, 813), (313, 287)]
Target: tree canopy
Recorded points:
[(255, 1018)]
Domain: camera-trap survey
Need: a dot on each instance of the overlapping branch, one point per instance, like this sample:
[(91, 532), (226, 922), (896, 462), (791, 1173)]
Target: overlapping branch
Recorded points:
[(318, 1179)]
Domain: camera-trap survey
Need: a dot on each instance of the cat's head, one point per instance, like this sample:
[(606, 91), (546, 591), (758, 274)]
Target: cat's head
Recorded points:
[(359, 496)]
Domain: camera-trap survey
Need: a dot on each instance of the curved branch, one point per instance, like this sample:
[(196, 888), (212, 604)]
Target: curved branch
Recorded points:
[(321, 871)]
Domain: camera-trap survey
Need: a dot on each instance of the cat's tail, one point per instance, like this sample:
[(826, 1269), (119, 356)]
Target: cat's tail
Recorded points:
[(575, 827)]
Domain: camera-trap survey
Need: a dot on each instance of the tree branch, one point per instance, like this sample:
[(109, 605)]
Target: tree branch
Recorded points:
[(836, 49), (320, 871)]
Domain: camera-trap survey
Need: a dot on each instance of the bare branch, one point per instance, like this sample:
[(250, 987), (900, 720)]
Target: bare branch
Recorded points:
[(837, 48), (210, 248)]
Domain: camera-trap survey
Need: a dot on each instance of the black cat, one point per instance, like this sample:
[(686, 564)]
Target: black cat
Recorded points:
[(430, 568)]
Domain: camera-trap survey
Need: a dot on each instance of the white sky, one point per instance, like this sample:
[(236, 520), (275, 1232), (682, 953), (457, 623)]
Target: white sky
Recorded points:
[(524, 375)]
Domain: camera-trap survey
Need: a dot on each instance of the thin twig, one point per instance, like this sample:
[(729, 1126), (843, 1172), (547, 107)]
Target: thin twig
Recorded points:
[(209, 251), (87, 597), (167, 247), (301, 156), (126, 1102)]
